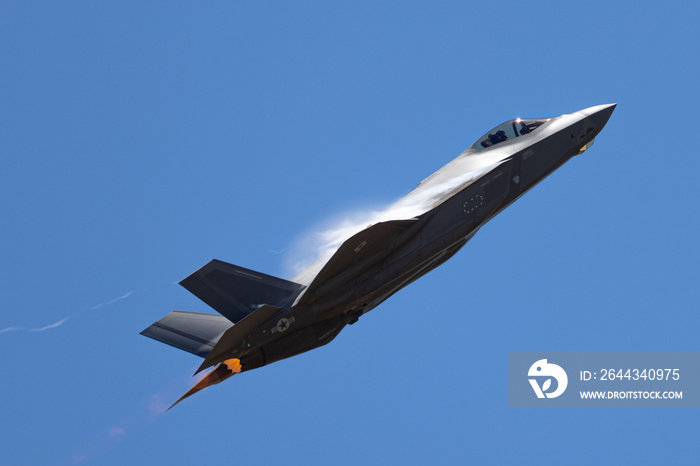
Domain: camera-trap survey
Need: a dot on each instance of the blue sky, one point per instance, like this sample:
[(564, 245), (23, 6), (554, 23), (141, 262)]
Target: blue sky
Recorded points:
[(139, 141)]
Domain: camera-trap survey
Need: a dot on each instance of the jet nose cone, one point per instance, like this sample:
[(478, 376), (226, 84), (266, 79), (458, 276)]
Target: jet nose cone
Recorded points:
[(600, 115), (593, 120)]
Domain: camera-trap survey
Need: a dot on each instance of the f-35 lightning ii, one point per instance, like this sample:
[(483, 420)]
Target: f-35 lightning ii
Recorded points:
[(264, 319)]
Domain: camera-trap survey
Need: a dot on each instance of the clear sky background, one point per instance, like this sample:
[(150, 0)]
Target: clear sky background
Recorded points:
[(139, 141)]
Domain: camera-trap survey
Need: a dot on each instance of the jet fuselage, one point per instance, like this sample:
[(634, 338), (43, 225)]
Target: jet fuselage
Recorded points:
[(495, 178)]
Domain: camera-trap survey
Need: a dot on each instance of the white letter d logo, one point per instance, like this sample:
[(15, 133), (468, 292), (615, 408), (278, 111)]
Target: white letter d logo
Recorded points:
[(542, 369)]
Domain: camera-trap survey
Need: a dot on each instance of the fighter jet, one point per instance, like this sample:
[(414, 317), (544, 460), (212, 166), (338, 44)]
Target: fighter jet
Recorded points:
[(264, 319)]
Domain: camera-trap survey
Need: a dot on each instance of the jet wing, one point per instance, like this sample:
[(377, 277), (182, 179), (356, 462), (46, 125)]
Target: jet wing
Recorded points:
[(363, 247), (193, 332)]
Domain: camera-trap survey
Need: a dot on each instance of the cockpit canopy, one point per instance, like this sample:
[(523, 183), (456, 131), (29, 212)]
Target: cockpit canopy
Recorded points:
[(508, 130)]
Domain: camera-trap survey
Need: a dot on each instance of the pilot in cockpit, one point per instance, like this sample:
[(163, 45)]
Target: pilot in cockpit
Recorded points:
[(495, 138)]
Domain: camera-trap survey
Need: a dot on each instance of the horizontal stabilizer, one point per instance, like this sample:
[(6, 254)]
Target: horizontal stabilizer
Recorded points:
[(193, 332), (234, 336), (235, 292)]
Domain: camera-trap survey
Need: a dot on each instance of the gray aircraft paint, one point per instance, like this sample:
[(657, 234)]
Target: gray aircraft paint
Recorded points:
[(364, 263)]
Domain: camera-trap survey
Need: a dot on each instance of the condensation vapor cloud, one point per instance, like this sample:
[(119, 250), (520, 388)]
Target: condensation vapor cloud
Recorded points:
[(39, 329), (107, 303), (19, 328), (312, 250)]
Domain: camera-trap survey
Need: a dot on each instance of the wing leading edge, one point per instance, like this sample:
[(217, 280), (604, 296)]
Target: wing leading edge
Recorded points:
[(365, 246)]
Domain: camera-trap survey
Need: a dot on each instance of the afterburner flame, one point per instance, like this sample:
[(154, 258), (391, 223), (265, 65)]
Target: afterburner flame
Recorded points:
[(221, 372), (234, 365)]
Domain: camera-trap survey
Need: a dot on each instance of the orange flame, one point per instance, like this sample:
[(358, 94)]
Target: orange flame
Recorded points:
[(234, 365), (220, 373)]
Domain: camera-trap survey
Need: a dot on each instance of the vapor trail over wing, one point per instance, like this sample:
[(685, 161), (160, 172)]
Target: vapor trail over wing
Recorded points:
[(369, 245)]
